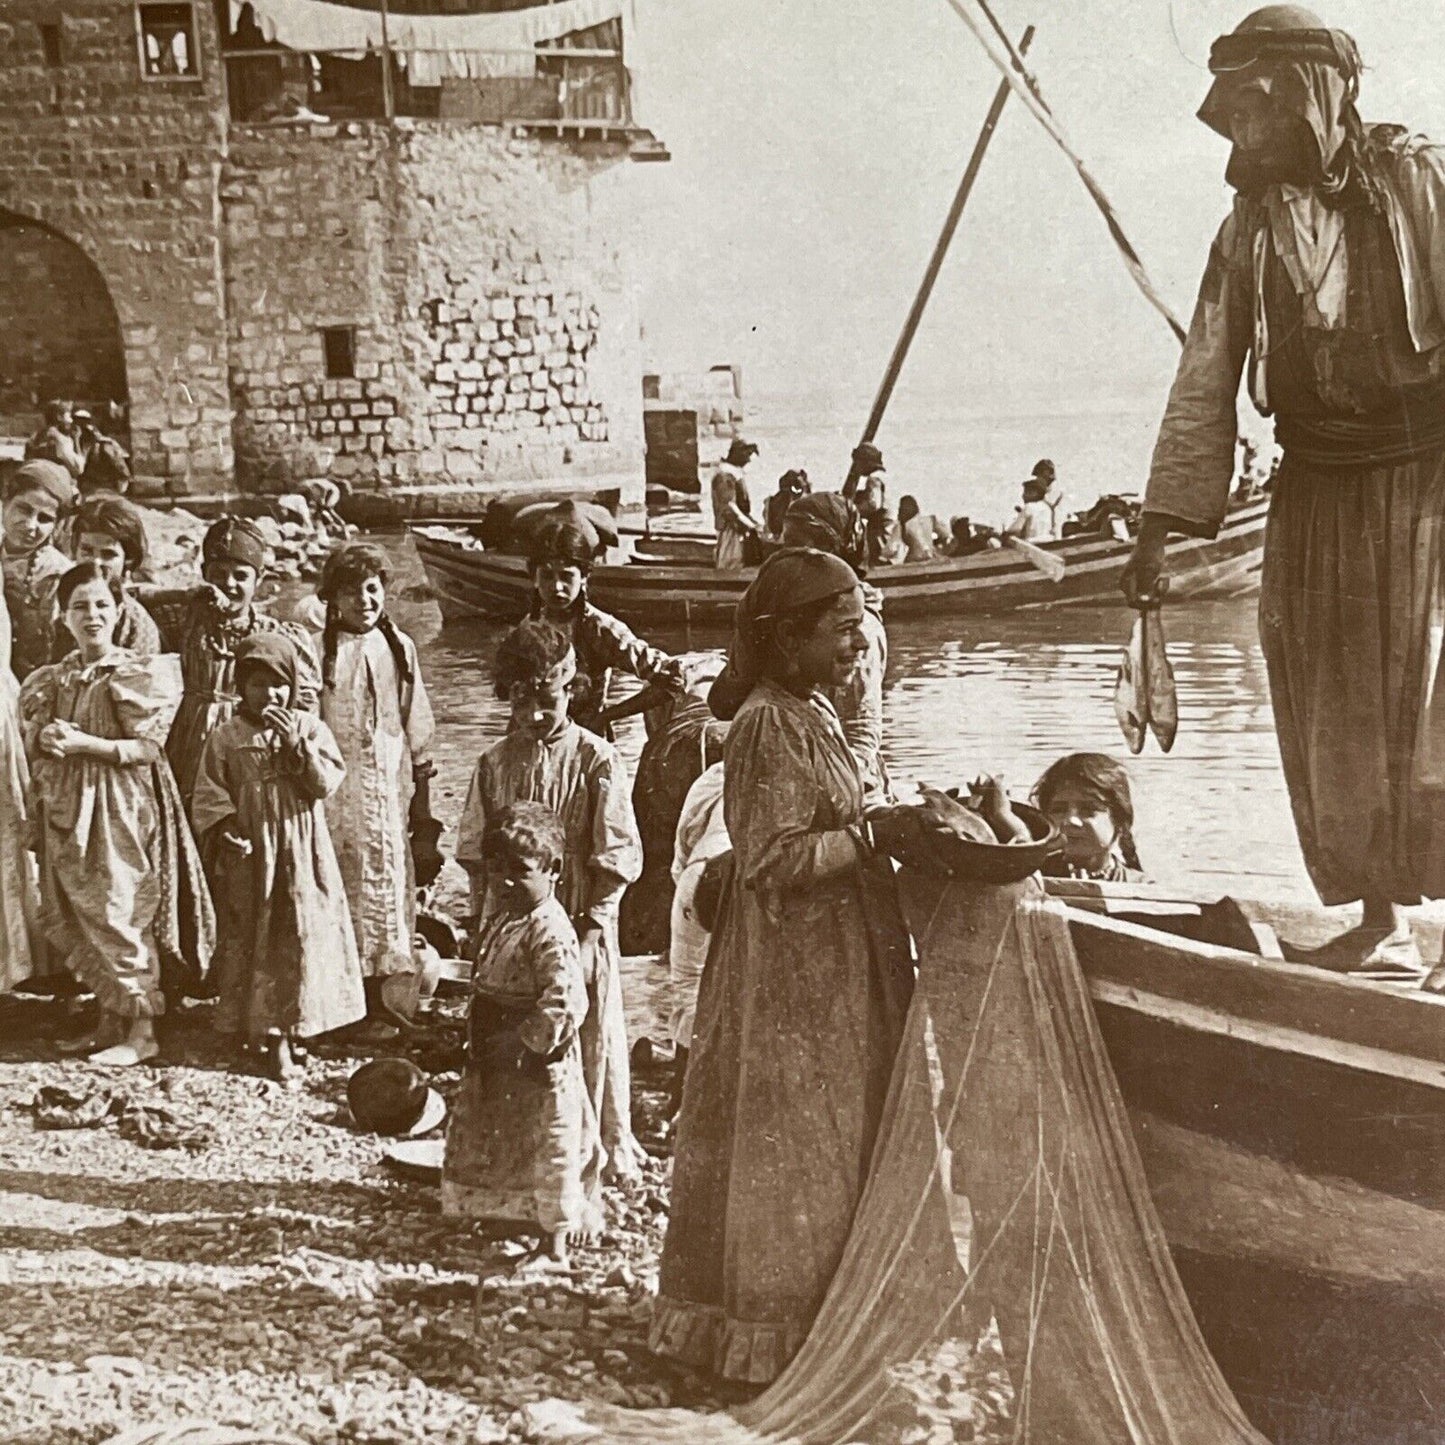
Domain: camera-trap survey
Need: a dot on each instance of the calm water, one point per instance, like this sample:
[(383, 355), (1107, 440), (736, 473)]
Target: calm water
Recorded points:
[(1007, 695)]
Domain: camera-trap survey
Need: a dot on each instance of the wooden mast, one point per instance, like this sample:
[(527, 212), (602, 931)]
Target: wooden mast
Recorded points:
[(940, 250)]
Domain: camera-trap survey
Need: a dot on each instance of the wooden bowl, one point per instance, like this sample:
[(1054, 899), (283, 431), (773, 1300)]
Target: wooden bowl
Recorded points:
[(992, 863)]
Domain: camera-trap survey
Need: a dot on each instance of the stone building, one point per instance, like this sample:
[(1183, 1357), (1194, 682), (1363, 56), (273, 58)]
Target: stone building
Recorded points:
[(385, 243)]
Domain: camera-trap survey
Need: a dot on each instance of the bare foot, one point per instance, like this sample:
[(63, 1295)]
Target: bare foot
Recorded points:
[(1370, 949), (137, 1047), (557, 1247)]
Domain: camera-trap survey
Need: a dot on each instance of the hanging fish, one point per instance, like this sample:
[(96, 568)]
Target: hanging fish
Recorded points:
[(1159, 681), (1131, 699)]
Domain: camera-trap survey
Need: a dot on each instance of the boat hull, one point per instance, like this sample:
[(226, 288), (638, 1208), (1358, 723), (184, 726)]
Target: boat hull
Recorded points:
[(468, 581), (1290, 1123)]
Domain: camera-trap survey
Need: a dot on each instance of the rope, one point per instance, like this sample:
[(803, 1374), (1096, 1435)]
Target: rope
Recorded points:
[(1010, 64)]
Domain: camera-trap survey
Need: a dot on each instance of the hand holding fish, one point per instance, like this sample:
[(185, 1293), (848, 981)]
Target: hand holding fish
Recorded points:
[(1144, 582)]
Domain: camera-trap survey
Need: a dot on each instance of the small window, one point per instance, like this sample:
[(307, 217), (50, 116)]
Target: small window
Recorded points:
[(167, 38), (50, 43), (339, 343)]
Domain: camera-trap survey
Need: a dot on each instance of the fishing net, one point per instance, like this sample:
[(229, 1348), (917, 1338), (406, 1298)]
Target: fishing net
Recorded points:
[(1006, 1185)]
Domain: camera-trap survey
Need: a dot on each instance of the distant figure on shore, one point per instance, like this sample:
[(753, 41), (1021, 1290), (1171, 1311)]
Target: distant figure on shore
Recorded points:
[(1037, 520), (791, 486), (732, 508), (104, 466), (55, 441), (921, 536)]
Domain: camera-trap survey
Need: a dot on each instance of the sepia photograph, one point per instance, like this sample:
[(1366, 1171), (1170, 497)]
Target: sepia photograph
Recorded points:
[(722, 722)]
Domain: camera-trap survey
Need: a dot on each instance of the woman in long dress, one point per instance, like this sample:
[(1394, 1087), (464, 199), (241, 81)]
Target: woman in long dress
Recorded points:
[(18, 900), (111, 840), (802, 1002)]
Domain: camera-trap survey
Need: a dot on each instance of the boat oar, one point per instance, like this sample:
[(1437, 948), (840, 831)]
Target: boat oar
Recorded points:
[(1051, 566)]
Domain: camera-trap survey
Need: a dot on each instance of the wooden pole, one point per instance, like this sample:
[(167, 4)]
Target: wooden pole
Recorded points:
[(388, 94), (935, 264)]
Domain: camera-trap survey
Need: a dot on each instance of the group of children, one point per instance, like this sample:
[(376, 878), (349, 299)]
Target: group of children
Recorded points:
[(277, 776)]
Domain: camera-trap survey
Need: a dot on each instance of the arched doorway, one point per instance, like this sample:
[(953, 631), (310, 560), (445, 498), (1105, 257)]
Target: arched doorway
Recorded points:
[(59, 332)]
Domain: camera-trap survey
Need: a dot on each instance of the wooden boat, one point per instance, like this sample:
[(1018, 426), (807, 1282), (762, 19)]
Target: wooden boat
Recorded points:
[(1291, 1123), (670, 579)]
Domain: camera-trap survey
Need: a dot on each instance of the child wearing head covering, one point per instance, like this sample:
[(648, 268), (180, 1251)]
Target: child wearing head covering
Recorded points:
[(287, 965), (222, 614), (560, 558), (1086, 795), (109, 530), (522, 1145), (547, 758), (121, 884), (37, 496), (375, 702)]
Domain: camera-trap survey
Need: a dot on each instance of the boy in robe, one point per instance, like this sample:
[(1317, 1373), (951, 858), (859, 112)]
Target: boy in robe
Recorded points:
[(547, 758), (287, 963), (522, 1147), (223, 613), (375, 703)]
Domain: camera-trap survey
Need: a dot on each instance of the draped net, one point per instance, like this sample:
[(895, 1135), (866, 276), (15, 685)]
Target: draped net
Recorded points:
[(1006, 1183)]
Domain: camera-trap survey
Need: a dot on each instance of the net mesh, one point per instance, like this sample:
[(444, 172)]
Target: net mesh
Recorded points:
[(1006, 1185)]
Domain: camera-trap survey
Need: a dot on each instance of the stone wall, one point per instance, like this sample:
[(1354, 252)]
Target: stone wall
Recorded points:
[(126, 169), (485, 274)]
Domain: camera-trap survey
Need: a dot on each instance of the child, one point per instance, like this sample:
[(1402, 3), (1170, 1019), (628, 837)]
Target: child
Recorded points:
[(546, 758), (560, 559), (116, 858), (222, 614), (19, 901), (1086, 795), (287, 963), (109, 530), (375, 703), (522, 1146), (37, 495)]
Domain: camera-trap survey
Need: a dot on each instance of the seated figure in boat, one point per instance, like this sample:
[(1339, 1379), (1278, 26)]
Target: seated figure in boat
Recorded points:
[(966, 539), (1037, 520), (920, 535), (1086, 796), (559, 560)]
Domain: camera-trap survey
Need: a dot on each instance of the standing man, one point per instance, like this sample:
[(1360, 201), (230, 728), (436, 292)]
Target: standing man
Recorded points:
[(732, 508), (104, 464), (1328, 280), (55, 441)]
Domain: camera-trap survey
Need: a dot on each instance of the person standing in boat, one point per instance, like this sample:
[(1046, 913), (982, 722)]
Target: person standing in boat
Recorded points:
[(1328, 280), (791, 486), (867, 488), (560, 559), (732, 508)]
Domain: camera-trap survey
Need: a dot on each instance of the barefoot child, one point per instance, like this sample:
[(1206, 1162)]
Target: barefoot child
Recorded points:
[(223, 613), (37, 495), (547, 758), (110, 835), (375, 703), (287, 964), (1086, 796), (522, 1146)]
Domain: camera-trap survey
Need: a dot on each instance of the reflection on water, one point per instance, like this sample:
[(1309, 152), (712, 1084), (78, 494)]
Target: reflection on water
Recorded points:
[(1008, 695)]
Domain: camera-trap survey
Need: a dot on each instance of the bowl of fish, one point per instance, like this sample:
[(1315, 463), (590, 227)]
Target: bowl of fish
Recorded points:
[(953, 837)]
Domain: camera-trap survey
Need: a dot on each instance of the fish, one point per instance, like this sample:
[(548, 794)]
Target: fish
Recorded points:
[(1131, 701), (1145, 698), (1159, 682)]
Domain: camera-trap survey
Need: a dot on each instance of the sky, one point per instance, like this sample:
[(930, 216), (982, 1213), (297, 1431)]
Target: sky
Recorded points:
[(816, 145)]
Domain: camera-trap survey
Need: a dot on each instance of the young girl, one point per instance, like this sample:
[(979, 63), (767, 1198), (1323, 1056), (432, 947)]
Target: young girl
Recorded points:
[(375, 703), (109, 530), (222, 614), (287, 963), (1086, 795), (37, 495), (114, 851), (522, 1146), (560, 559), (18, 899), (546, 758)]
